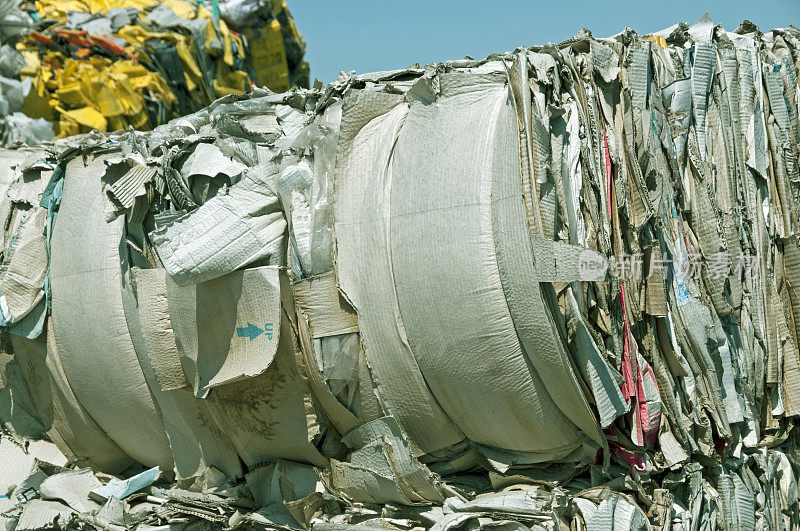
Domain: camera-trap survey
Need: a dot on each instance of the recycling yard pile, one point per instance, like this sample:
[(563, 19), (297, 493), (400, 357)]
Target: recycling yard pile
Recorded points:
[(558, 288), (72, 66)]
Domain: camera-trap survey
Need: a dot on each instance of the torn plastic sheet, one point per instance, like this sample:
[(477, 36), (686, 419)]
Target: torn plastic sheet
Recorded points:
[(122, 489), (24, 268), (227, 233), (207, 159)]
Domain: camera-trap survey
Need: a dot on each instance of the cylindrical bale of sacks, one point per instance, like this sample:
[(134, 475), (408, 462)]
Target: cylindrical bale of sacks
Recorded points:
[(163, 370), (90, 325), (434, 252)]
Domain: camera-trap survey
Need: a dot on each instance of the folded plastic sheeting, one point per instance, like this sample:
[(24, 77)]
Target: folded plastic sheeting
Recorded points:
[(555, 288), (71, 67)]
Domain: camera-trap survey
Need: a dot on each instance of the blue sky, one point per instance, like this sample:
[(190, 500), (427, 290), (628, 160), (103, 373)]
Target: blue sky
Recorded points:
[(366, 35)]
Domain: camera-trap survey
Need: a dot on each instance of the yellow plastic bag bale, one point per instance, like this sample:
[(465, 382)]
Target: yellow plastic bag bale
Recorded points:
[(85, 83), (268, 57)]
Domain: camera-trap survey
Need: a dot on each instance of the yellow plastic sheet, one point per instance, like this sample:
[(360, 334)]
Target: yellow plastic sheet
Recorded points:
[(87, 116)]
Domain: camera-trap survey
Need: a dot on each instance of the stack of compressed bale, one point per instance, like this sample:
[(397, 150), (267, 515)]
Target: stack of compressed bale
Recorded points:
[(87, 65), (555, 288)]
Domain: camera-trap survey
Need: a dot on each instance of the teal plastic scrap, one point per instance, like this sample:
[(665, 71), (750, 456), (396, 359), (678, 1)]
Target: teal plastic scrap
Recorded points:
[(122, 489)]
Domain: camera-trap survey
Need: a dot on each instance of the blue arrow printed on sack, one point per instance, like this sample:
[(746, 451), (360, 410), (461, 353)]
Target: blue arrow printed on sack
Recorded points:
[(250, 331)]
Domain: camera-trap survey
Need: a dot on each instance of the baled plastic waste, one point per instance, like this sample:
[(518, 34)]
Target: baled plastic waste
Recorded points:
[(554, 288)]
